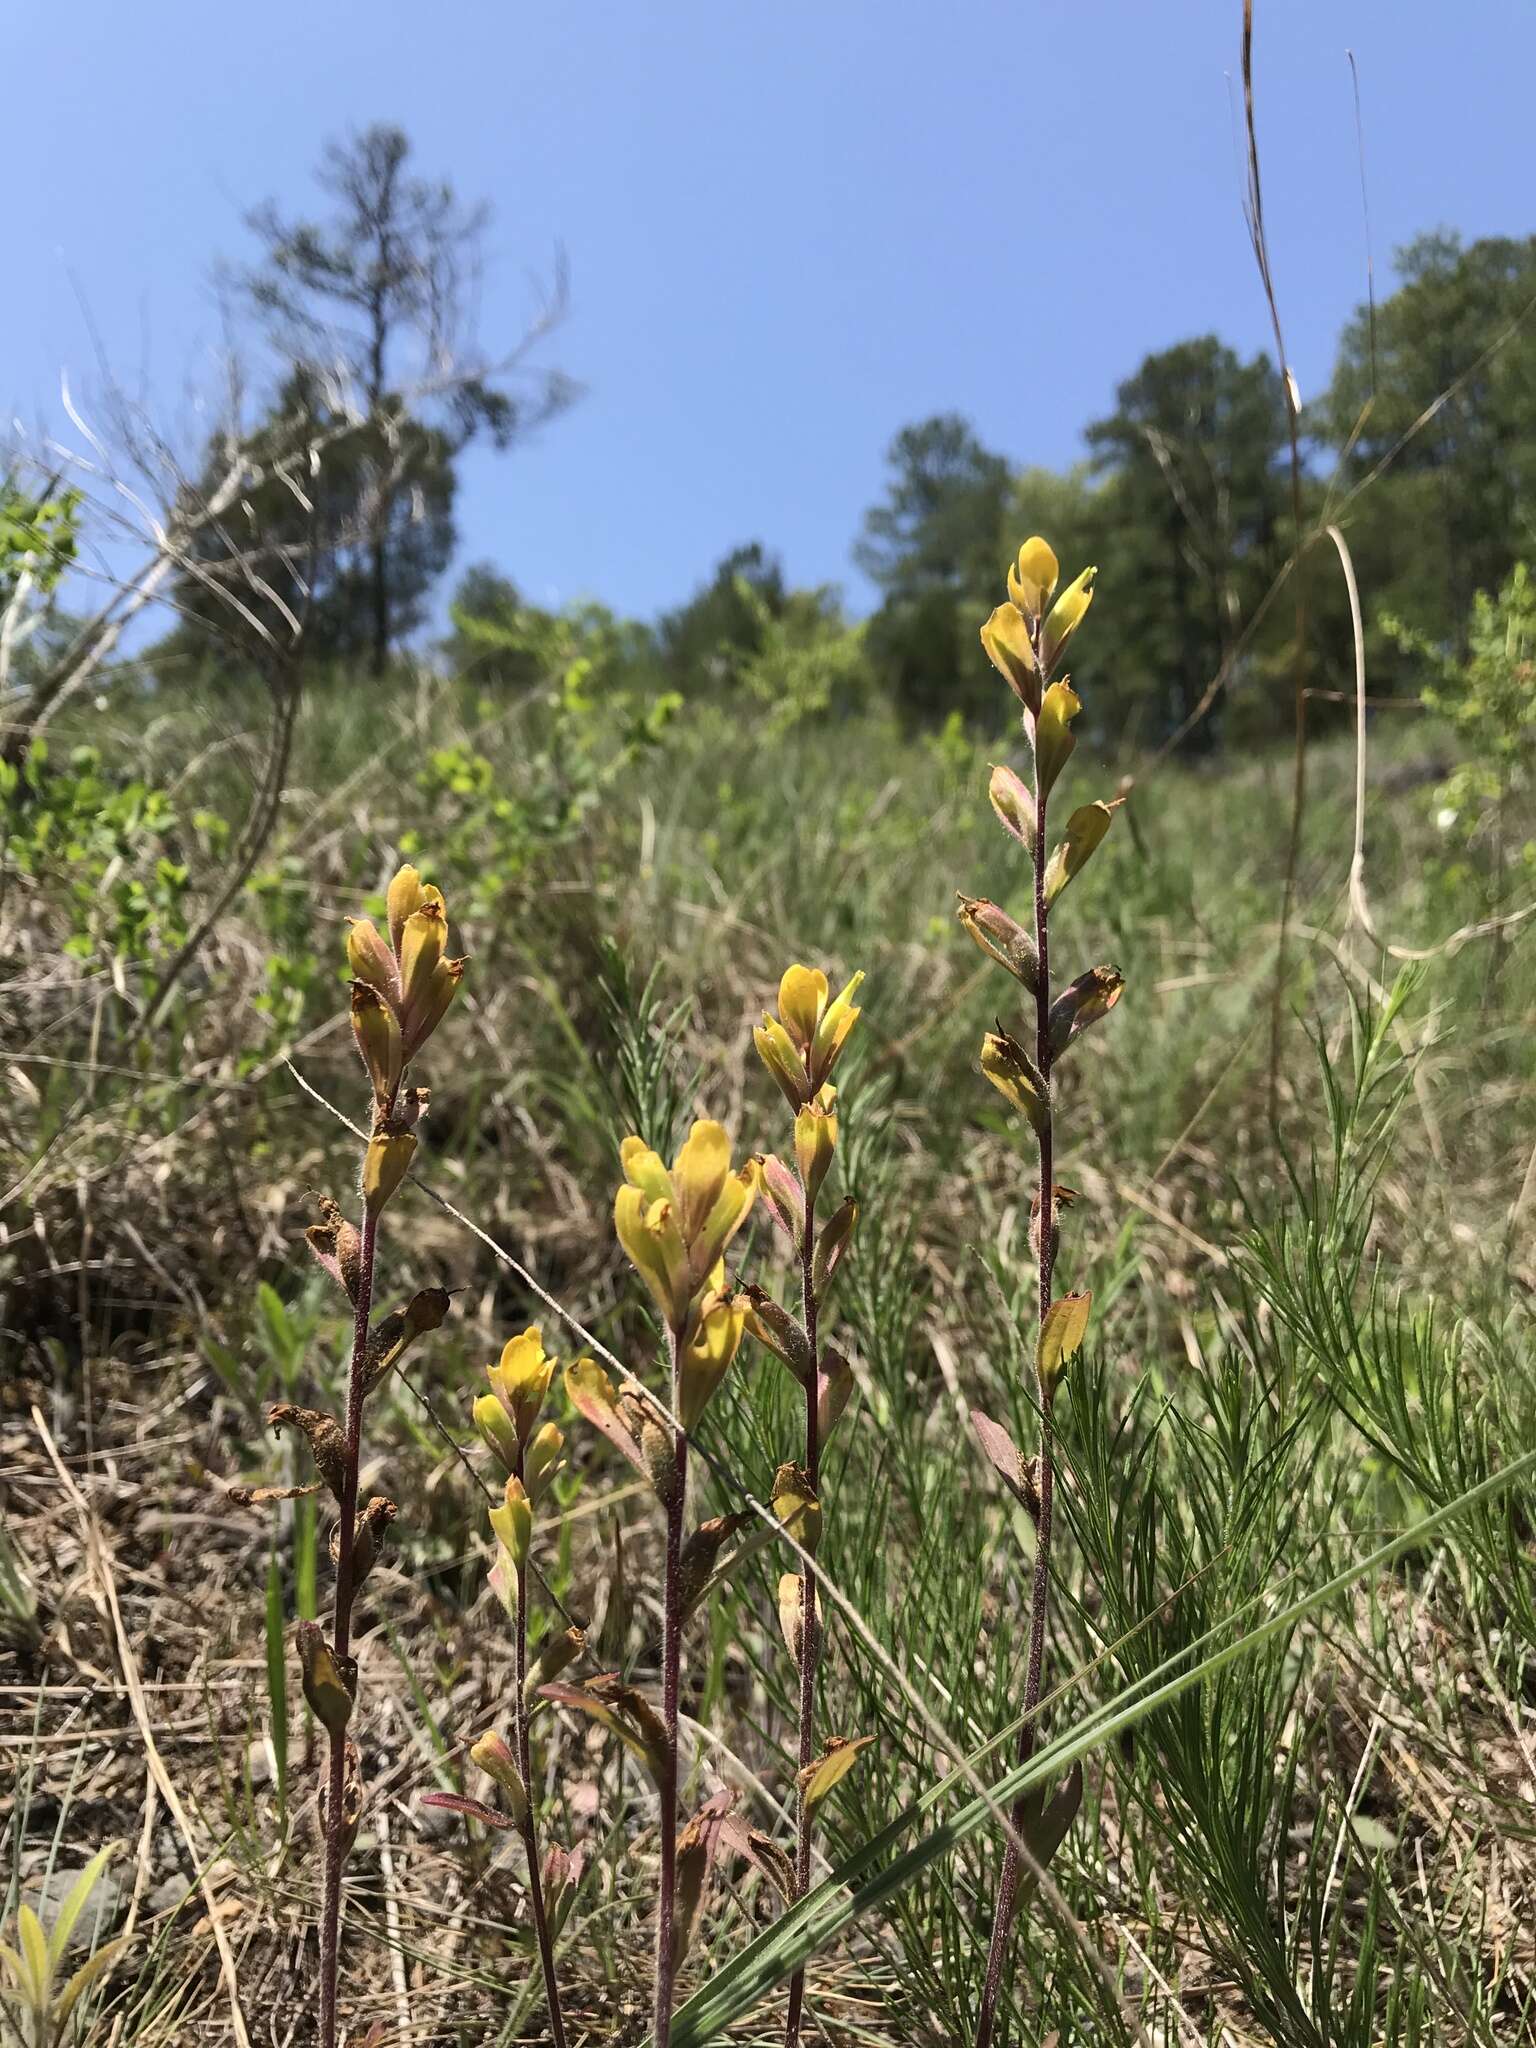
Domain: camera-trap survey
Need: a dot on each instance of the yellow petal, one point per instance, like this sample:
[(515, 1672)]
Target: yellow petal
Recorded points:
[(403, 900), (1066, 615), (802, 998), (1006, 639), (1053, 736), (645, 1169), (649, 1234), (699, 1172), (1085, 832), (1034, 577)]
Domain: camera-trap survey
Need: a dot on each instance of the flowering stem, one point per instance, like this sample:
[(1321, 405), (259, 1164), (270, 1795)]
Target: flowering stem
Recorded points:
[(341, 1631), (529, 1830), (671, 1657), (1008, 1887), (810, 1623)]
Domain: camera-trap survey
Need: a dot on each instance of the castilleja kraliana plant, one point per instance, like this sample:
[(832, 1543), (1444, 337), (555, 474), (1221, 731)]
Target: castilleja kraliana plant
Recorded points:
[(674, 1225), (529, 1455), (800, 1047), (401, 991), (1026, 639)]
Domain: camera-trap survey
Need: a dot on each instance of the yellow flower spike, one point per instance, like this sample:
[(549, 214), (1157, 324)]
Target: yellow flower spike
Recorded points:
[(495, 1429), (776, 1050), (708, 1355), (815, 1143), (832, 1033), (646, 1170), (1015, 1076), (1033, 578), (521, 1378), (1066, 615), (699, 1175), (377, 1032), (1053, 736), (802, 999), (385, 1165), (649, 1234), (1006, 639), (513, 1523), (542, 1462), (403, 899), (368, 958), (494, 1756)]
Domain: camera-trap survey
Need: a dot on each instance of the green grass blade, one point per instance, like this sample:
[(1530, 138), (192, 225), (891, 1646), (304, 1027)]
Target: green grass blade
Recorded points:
[(860, 1884)]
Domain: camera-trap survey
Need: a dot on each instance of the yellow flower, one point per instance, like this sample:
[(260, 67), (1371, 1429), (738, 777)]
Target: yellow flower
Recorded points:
[(520, 1380), (675, 1224)]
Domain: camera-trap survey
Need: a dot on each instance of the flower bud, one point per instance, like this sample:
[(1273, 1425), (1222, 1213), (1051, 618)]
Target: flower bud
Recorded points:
[(837, 1021), (815, 1143), (1032, 579), (369, 959), (542, 1461), (776, 1050), (494, 1425), (377, 1032), (402, 901), (513, 1523)]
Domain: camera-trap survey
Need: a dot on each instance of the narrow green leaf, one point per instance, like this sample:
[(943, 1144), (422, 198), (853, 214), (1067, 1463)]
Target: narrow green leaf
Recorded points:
[(872, 1875), (86, 1976), (79, 1892)]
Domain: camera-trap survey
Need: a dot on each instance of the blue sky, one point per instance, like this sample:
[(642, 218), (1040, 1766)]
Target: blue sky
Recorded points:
[(790, 228)]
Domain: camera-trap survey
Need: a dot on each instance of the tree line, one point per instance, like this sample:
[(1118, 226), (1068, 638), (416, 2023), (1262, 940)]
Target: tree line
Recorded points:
[(1422, 448)]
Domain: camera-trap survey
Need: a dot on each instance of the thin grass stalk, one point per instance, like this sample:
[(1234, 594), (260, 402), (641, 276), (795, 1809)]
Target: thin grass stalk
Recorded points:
[(671, 1661), (529, 1828), (341, 1633), (1006, 1908), (810, 1620)]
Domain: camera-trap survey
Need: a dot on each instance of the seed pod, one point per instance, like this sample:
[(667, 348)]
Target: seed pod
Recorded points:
[(325, 1688), (557, 1655), (368, 1534), (385, 1165), (325, 1436), (494, 1756), (337, 1246)]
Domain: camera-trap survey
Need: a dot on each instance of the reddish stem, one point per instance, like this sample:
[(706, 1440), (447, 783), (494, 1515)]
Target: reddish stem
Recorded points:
[(528, 1830), (1008, 1886), (671, 1659), (810, 1620), (341, 1635)]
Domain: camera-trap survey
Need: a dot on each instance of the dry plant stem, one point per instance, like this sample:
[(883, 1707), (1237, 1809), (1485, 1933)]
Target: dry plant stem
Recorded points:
[(330, 1923), (529, 1831), (671, 1657), (1008, 1886), (810, 1619)]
